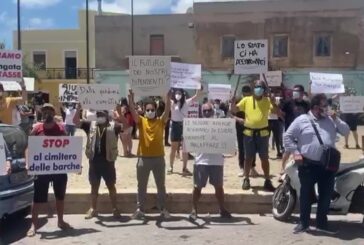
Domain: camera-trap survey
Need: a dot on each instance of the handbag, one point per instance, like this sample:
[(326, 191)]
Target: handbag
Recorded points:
[(331, 157)]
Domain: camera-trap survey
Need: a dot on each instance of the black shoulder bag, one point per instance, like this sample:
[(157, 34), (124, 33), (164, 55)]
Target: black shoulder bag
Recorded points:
[(331, 157)]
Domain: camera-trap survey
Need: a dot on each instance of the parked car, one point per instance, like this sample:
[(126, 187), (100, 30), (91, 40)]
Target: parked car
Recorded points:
[(16, 189)]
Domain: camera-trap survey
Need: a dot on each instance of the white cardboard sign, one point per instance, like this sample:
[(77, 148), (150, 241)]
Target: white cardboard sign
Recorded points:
[(352, 104), (2, 156), (193, 110), (274, 78), (54, 155), (11, 65), (68, 93), (150, 75), (15, 86), (220, 91), (186, 76), (209, 135), (98, 96), (251, 57), (327, 83)]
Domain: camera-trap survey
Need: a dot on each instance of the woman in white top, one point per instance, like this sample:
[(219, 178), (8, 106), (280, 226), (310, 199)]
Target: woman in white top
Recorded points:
[(70, 111), (179, 109)]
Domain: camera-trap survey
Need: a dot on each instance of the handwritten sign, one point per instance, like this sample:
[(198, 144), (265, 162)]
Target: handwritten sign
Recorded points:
[(186, 76), (274, 78), (68, 93), (327, 83), (11, 65), (54, 155), (15, 86), (251, 57), (207, 135), (219, 92), (2, 156), (150, 75), (98, 96), (352, 104), (193, 110)]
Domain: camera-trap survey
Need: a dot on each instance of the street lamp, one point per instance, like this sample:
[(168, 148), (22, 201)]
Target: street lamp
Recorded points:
[(87, 45), (19, 33), (132, 27)]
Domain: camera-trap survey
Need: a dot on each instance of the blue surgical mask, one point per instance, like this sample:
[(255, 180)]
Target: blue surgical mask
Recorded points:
[(259, 91)]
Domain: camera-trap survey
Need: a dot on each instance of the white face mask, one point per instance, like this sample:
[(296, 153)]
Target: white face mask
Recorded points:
[(101, 120), (296, 95), (178, 97), (150, 114)]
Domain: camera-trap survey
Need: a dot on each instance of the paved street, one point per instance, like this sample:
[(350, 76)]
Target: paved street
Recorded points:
[(252, 229)]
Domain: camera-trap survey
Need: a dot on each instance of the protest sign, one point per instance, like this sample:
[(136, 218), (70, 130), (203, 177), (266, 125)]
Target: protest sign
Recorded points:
[(98, 96), (326, 83), (11, 65), (186, 76), (150, 75), (2, 156), (251, 57), (68, 93), (352, 104), (219, 92), (193, 110), (208, 135), (54, 155), (15, 86), (274, 78)]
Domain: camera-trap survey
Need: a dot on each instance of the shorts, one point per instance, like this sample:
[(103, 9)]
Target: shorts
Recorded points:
[(41, 186), (201, 173), (254, 145), (176, 131), (102, 169)]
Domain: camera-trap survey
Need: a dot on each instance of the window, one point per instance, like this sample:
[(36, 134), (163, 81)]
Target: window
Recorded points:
[(280, 46), (227, 46), (39, 60), (323, 45), (156, 44)]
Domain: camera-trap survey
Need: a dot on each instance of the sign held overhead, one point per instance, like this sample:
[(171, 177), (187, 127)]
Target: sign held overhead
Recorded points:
[(251, 57), (11, 65)]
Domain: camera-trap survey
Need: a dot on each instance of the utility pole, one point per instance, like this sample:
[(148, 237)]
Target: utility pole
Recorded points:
[(132, 27), (19, 31), (87, 45)]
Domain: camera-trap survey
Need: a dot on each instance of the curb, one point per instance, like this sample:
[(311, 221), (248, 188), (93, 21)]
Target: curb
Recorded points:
[(178, 201)]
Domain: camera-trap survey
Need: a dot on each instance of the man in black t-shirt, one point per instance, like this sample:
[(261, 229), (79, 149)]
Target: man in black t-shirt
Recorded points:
[(291, 109)]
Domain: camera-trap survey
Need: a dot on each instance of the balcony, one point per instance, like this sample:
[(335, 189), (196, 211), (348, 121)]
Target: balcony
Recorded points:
[(65, 73)]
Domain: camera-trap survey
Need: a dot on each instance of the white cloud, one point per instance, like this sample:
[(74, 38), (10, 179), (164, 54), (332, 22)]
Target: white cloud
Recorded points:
[(38, 3), (39, 23)]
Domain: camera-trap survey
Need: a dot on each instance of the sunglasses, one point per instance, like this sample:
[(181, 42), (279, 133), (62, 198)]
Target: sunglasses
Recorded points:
[(150, 110)]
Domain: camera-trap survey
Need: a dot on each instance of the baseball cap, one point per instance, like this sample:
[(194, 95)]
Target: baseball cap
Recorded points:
[(48, 106)]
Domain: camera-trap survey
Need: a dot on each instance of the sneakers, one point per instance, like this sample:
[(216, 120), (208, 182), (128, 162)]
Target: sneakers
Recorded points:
[(193, 215), (241, 174), (186, 172), (268, 186), (224, 214), (327, 230), (300, 229), (91, 213), (246, 184), (170, 170), (165, 214), (138, 215)]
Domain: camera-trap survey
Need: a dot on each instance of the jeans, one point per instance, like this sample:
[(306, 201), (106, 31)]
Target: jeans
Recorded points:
[(70, 129), (240, 138), (309, 175)]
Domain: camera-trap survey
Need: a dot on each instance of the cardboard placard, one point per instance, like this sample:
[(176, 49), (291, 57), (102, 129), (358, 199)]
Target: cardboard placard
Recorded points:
[(98, 96), (221, 92), (54, 155), (251, 56), (207, 135), (150, 75), (68, 93), (326, 83), (186, 76), (274, 78), (352, 104), (15, 86), (11, 65), (193, 110)]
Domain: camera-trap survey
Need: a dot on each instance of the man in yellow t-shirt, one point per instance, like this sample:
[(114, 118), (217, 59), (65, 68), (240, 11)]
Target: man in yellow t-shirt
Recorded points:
[(256, 134), (8, 105), (150, 152)]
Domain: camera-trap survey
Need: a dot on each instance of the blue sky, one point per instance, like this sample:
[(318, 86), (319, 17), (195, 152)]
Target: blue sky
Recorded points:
[(60, 14)]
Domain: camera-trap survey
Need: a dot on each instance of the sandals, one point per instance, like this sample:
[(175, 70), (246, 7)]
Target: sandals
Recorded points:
[(31, 232), (64, 226)]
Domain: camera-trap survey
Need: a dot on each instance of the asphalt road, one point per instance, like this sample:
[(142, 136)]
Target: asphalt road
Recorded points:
[(251, 229)]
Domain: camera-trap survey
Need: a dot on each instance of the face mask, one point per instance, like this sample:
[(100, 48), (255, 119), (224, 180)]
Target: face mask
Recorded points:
[(258, 91), (207, 113), (296, 95), (47, 118), (150, 114), (178, 97), (101, 120)]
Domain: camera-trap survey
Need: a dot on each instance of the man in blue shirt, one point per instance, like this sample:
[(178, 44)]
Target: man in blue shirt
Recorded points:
[(301, 140)]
